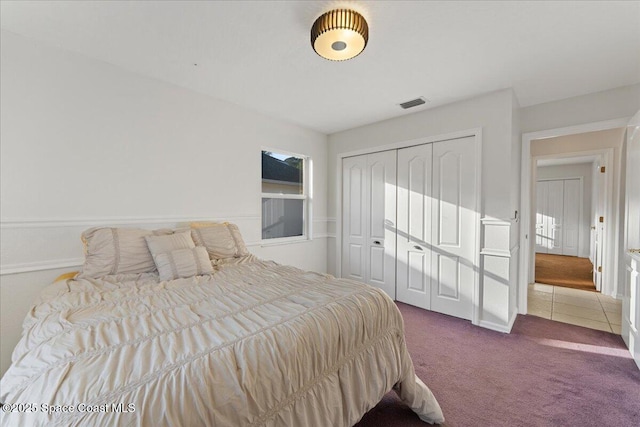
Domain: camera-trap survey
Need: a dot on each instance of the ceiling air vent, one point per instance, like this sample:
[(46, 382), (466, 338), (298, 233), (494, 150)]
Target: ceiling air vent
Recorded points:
[(413, 103)]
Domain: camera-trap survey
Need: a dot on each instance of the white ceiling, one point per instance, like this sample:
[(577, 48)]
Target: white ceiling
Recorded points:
[(258, 54)]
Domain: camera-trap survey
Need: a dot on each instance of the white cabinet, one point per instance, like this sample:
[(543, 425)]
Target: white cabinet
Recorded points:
[(433, 247), (558, 204)]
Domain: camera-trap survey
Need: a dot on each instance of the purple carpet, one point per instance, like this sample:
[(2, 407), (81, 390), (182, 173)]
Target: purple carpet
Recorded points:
[(542, 374)]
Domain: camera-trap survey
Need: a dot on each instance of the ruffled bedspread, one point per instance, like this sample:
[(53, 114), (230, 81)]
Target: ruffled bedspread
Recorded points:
[(255, 344)]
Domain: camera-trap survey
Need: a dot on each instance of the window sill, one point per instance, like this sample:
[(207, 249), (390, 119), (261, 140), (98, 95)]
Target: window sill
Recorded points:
[(284, 241)]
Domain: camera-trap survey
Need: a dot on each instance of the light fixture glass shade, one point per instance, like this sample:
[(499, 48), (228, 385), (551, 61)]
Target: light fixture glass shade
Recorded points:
[(339, 34)]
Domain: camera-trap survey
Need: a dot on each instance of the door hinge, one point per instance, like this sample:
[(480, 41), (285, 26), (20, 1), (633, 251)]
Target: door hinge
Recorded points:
[(602, 168), (600, 269), (601, 219)]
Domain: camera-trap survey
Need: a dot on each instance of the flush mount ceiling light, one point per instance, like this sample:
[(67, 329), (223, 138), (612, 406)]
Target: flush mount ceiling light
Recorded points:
[(339, 34)]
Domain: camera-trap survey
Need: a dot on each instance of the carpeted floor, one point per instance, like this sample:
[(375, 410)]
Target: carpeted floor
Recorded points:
[(544, 373), (567, 271)]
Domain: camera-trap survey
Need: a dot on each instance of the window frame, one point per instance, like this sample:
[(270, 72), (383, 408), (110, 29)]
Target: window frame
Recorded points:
[(305, 196)]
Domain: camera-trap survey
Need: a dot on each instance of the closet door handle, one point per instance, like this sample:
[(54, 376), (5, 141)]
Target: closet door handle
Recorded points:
[(417, 247), (376, 242)]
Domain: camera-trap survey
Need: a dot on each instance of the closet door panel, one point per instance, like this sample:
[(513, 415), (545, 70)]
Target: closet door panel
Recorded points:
[(543, 238), (454, 227), (414, 225), (571, 217), (353, 218), (419, 190), (381, 218), (448, 179), (554, 214), (417, 280), (448, 279)]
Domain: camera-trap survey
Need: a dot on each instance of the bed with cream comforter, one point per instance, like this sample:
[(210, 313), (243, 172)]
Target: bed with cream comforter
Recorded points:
[(255, 344)]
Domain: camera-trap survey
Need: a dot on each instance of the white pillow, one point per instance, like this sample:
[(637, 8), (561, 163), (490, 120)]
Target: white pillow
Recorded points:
[(171, 242), (117, 250), (182, 263), (221, 240)]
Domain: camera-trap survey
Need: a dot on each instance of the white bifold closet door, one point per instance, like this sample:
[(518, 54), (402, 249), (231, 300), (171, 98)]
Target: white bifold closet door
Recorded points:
[(571, 217), (368, 220), (542, 194), (558, 216), (554, 216), (437, 226)]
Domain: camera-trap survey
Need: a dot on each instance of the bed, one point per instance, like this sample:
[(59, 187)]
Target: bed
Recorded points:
[(251, 343)]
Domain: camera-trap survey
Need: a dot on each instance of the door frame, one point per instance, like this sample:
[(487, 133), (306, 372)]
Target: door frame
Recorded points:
[(528, 179), (475, 133), (630, 332)]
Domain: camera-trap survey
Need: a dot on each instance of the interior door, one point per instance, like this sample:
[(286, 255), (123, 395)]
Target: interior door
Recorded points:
[(554, 213), (542, 239), (354, 207), (597, 265), (591, 216), (454, 221), (571, 216), (414, 225), (599, 229), (380, 216)]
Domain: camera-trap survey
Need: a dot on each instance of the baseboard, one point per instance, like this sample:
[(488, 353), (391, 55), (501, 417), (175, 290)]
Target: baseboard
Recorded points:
[(631, 339), (499, 327)]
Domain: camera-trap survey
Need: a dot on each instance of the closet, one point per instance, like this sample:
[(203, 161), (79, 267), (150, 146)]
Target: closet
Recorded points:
[(409, 221), (558, 205)]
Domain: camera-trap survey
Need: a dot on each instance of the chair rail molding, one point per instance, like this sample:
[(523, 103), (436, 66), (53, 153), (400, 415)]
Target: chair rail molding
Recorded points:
[(36, 244)]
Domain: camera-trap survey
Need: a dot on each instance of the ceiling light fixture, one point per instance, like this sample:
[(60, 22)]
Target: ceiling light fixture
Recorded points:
[(339, 34)]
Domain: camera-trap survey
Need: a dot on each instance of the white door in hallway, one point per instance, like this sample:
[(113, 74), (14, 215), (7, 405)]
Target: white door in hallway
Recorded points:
[(369, 215), (599, 178), (558, 204), (571, 216), (542, 194), (554, 213)]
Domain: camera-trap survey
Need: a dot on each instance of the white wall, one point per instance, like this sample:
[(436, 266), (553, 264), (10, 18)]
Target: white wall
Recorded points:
[(595, 107), (85, 143), (584, 171)]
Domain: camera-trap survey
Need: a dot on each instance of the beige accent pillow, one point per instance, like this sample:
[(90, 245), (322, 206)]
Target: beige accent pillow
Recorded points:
[(221, 240), (171, 242), (183, 263), (117, 251)]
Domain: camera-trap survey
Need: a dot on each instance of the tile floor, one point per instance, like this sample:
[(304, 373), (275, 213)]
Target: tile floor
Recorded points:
[(582, 308)]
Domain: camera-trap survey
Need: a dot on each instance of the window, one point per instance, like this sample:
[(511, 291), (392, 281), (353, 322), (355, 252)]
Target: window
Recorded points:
[(284, 195)]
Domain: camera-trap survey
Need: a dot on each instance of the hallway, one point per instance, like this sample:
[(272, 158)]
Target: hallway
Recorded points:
[(574, 306)]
